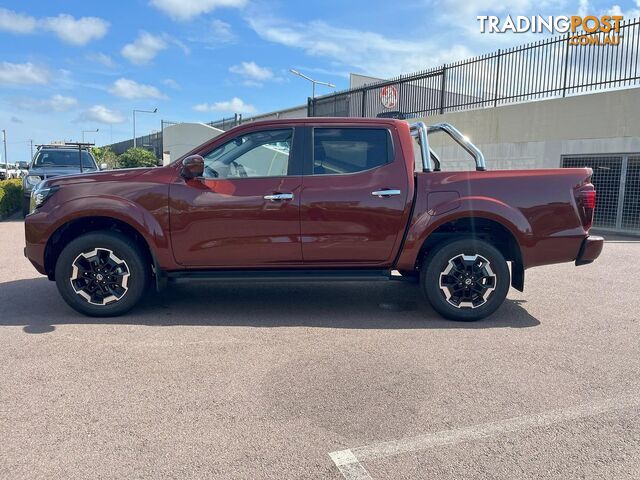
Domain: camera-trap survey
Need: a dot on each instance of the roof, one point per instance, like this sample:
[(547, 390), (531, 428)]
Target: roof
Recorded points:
[(57, 146), (329, 120)]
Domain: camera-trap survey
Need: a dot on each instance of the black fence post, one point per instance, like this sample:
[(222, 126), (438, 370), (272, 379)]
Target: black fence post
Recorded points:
[(566, 68), (497, 83), (443, 86), (364, 103), (310, 107)]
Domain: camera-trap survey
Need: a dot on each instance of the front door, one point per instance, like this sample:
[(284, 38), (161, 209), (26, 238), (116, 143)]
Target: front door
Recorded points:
[(355, 197), (245, 211)]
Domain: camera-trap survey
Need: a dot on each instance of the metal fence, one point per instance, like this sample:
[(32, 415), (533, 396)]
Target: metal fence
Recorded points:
[(549, 68), (227, 123), (151, 142), (617, 182)]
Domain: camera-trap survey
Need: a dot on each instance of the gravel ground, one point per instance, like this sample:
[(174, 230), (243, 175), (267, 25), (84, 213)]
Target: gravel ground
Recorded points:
[(264, 381)]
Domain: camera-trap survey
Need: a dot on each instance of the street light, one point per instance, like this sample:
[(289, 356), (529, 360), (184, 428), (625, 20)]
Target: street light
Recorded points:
[(302, 75), (89, 131), (6, 160), (134, 122)]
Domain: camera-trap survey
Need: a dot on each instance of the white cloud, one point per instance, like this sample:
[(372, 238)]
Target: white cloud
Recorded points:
[(252, 71), (222, 31), (102, 59), (61, 103), (22, 74), (57, 103), (102, 114), (235, 105), (171, 83), (468, 9), (15, 22), (215, 35), (631, 13), (125, 88), (144, 48), (368, 52), (188, 9), (76, 31)]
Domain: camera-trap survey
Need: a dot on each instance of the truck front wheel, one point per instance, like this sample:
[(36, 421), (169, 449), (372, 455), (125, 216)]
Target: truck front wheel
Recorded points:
[(465, 280), (101, 274)]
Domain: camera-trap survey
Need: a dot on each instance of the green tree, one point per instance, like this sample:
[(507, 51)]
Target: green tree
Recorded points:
[(105, 155), (137, 157)]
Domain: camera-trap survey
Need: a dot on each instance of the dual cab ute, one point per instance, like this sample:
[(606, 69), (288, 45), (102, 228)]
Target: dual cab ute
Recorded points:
[(311, 199)]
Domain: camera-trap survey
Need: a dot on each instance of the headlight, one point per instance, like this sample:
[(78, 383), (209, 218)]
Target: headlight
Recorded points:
[(39, 196), (31, 181)]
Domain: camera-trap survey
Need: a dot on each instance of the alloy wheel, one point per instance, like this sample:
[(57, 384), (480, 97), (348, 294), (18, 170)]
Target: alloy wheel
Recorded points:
[(99, 276), (467, 281)]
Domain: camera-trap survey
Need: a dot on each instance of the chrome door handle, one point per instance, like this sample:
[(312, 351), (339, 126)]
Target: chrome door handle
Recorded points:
[(279, 196), (385, 193)]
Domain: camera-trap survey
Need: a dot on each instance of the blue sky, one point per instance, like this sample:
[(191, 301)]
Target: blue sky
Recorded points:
[(68, 66)]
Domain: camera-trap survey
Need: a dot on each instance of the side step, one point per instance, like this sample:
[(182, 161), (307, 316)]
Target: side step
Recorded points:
[(362, 275)]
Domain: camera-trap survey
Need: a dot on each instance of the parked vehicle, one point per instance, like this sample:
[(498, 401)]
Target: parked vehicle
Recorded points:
[(311, 199), (52, 161), (21, 169)]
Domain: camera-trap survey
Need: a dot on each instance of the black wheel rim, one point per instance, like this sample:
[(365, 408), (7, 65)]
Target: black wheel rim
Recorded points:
[(100, 277), (467, 281)]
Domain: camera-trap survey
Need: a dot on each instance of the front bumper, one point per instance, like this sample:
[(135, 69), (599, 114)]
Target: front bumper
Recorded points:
[(589, 250)]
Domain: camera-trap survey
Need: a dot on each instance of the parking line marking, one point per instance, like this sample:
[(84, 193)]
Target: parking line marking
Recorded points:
[(349, 461), (349, 465)]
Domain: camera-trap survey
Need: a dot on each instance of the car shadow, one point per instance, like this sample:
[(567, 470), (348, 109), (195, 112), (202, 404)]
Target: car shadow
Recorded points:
[(36, 306)]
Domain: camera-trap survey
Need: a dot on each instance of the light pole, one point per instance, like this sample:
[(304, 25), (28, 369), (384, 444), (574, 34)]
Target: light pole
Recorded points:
[(313, 82), (134, 122), (6, 160), (89, 131)]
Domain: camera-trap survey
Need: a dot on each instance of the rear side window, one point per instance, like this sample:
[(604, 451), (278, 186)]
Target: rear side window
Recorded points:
[(350, 150)]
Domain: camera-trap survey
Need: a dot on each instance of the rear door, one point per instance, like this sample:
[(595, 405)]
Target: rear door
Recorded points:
[(355, 196), (245, 211)]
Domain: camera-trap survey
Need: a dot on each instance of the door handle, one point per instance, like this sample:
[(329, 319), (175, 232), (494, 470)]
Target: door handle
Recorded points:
[(279, 196), (385, 193)]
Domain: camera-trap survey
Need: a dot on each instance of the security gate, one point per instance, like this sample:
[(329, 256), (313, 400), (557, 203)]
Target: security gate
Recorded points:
[(617, 182)]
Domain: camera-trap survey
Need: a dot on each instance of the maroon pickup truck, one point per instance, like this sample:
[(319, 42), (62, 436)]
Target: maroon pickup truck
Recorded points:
[(311, 199)]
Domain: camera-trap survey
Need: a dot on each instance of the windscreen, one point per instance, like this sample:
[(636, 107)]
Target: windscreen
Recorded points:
[(63, 158)]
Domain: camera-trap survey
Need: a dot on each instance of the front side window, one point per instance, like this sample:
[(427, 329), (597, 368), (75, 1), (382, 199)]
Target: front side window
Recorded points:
[(350, 150), (256, 154)]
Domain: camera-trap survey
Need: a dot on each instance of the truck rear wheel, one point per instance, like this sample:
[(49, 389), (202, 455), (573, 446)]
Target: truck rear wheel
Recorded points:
[(465, 280), (101, 274)]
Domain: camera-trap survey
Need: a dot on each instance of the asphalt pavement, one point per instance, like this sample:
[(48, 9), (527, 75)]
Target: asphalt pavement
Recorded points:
[(347, 380)]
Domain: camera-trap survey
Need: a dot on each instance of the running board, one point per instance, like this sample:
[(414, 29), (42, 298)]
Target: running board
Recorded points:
[(288, 275)]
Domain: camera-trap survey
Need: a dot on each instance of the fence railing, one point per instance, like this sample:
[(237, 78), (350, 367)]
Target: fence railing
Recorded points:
[(151, 142), (551, 67), (227, 123)]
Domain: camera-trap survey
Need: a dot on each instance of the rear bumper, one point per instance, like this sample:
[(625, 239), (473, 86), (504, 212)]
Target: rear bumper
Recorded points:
[(589, 250)]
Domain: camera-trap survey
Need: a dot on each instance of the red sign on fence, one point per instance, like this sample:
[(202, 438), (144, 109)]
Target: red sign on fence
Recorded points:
[(389, 96)]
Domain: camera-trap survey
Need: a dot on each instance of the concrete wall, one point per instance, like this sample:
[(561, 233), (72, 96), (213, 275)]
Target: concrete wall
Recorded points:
[(537, 134), (356, 80), (183, 137)]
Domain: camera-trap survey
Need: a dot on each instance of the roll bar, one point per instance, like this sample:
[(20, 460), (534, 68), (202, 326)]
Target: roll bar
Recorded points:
[(421, 131)]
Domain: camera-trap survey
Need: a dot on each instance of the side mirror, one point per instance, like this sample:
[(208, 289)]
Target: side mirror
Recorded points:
[(192, 167), (103, 166)]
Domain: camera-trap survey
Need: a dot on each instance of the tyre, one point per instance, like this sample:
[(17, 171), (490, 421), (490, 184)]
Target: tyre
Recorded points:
[(101, 274), (25, 206), (465, 280)]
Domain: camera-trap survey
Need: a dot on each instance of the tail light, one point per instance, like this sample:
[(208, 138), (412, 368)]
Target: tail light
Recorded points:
[(586, 201)]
